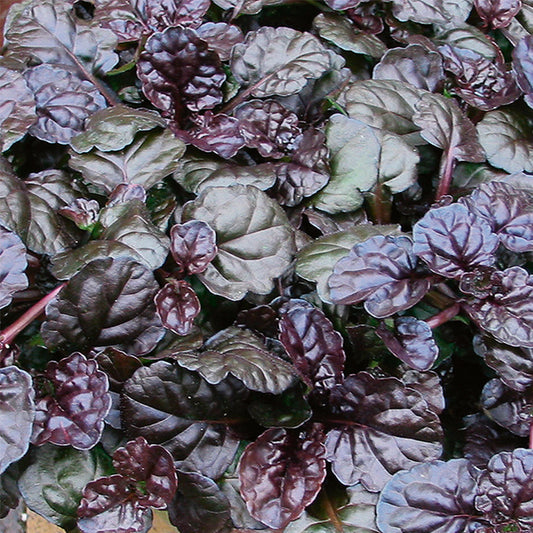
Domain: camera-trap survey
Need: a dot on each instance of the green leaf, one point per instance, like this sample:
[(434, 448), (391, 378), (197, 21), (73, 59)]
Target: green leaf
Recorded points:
[(315, 261), (254, 238)]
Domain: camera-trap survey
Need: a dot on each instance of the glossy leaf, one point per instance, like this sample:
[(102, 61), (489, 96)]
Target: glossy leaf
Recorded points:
[(429, 385), (220, 37), (441, 12), (504, 135), (161, 15), (246, 7), (412, 342), (413, 64), (119, 17), (523, 67), (178, 72), (507, 313), (150, 158), (315, 261), (314, 346), (117, 310), (178, 409), (17, 411), (278, 61), (53, 482), (451, 241), (281, 473), (177, 306), (199, 505), (12, 266), (63, 102), (387, 427), (497, 13), (295, 182), (437, 496), (381, 272), (240, 353), (341, 32), (17, 110), (254, 239), (505, 491)]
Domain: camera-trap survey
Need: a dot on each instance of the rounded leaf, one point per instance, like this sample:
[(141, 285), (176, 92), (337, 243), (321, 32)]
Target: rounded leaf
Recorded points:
[(12, 266)]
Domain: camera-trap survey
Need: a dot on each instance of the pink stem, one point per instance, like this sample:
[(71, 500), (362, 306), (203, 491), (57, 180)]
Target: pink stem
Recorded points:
[(447, 174), (8, 335), (443, 316)]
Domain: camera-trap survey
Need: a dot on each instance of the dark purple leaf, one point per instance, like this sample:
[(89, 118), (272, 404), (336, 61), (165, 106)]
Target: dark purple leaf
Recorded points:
[(126, 192), (429, 385), (63, 102), (451, 240), (84, 213), (508, 210), (311, 151), (178, 72), (412, 342), (178, 409), (497, 13), (505, 490), (220, 37), (523, 67), (74, 414), (437, 497), (341, 5), (295, 182), (507, 407), (413, 64), (240, 353), (482, 83), (478, 283), (484, 438), (507, 313), (313, 345), (219, 133), (193, 246), (17, 111), (382, 427), (199, 505), (262, 319), (159, 15), (367, 18), (119, 16), (177, 306), (513, 364), (17, 411), (268, 126), (108, 303), (430, 12), (281, 473), (380, 271), (12, 266)]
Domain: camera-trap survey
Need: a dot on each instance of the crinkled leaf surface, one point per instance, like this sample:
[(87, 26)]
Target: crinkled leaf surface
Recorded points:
[(382, 427), (193, 246), (240, 353), (220, 37), (497, 13), (177, 306), (437, 496), (160, 15), (340, 31), (507, 313), (53, 482), (523, 67), (381, 272), (17, 411), (413, 64), (12, 266), (120, 17), (279, 61), (451, 241), (108, 303), (255, 241), (150, 158), (246, 7), (74, 414), (315, 261), (505, 137), (17, 108), (178, 409), (442, 12), (314, 346), (178, 72), (469, 37), (281, 473), (48, 32), (354, 158), (412, 342), (505, 491), (114, 128), (429, 385), (199, 505)]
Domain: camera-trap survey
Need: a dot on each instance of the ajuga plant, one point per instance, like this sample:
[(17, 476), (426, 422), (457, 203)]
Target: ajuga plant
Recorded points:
[(265, 265)]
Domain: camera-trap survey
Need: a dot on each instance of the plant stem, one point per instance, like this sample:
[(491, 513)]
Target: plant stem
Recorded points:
[(446, 174), (444, 316), (531, 436), (7, 336)]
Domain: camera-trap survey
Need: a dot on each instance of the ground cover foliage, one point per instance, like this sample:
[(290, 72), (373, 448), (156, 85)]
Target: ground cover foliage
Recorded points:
[(266, 265)]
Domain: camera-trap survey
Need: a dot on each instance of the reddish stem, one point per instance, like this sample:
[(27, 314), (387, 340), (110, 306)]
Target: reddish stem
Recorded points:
[(531, 436), (446, 174), (445, 315), (8, 335)]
